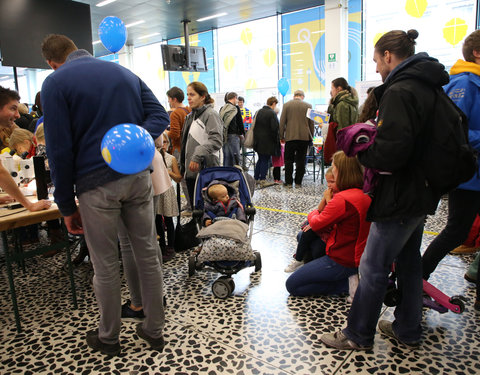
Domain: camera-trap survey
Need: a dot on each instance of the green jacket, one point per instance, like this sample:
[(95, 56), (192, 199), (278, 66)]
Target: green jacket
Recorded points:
[(343, 109)]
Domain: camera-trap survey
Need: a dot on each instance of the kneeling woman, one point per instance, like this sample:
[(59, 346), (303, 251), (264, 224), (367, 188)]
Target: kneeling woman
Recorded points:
[(346, 212)]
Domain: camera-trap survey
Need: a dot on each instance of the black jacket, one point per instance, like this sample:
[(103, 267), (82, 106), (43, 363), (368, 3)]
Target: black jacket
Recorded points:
[(266, 136), (406, 101)]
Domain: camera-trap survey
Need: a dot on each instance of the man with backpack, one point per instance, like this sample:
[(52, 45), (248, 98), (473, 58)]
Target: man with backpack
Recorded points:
[(464, 201), (401, 198)]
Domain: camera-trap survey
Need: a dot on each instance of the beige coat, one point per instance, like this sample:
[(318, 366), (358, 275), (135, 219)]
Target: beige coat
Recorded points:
[(294, 124)]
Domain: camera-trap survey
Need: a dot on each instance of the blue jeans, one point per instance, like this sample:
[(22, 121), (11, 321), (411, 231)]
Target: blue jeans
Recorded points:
[(261, 167), (390, 241), (231, 151), (319, 277)]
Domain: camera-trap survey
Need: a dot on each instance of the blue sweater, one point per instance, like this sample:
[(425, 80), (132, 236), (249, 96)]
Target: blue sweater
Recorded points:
[(464, 90), (81, 101)]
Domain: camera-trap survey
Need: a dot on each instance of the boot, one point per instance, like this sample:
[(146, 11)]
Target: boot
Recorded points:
[(471, 274), (168, 254)]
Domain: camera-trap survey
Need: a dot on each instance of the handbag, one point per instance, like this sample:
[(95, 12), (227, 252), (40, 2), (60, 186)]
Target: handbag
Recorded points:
[(249, 137), (185, 234)]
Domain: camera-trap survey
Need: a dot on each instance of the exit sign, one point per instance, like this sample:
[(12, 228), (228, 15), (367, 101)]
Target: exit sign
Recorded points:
[(332, 57)]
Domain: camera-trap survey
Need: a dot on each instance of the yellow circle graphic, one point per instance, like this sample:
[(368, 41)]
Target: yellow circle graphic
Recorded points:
[(416, 8), (269, 57), (251, 84), (376, 37), (455, 30), (229, 63), (106, 155), (246, 36)]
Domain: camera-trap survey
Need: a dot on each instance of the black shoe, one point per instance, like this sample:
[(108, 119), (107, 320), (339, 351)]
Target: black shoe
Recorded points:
[(156, 344), (168, 254), (94, 342), (128, 312)]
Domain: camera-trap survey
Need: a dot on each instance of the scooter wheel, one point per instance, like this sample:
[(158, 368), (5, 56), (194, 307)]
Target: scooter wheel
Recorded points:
[(456, 300)]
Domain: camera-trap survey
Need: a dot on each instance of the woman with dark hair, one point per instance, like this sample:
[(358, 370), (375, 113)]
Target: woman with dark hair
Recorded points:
[(233, 130), (343, 108), (202, 136)]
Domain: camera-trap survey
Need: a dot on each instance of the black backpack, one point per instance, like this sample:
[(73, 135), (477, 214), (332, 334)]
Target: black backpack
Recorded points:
[(448, 159)]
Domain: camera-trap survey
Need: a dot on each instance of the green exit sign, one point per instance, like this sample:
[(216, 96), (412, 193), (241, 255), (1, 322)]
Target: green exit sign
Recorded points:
[(332, 57)]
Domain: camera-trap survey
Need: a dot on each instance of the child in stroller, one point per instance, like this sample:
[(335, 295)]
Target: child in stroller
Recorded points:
[(220, 200), (226, 240)]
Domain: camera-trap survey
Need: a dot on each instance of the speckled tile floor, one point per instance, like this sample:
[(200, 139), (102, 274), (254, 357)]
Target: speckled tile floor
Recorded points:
[(260, 329)]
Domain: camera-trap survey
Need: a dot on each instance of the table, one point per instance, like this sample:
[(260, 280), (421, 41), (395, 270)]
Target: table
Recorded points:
[(12, 219)]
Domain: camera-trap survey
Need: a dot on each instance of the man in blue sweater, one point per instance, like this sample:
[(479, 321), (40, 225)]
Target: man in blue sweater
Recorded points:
[(82, 100)]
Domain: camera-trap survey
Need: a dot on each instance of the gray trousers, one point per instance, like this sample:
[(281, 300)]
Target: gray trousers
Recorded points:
[(128, 200), (129, 263)]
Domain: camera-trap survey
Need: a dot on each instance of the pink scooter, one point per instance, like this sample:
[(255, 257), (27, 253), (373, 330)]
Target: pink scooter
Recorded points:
[(433, 298)]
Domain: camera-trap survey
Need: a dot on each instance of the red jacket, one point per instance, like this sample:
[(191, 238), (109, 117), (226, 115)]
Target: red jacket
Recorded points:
[(347, 213)]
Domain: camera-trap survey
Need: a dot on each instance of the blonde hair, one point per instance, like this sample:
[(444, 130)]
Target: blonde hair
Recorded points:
[(22, 109), (349, 171), (40, 134), (329, 171), (214, 191), (18, 136)]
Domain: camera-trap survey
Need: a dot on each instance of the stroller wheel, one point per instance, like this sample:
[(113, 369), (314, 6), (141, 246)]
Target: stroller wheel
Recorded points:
[(232, 285), (457, 300), (258, 261), (222, 287), (191, 265)]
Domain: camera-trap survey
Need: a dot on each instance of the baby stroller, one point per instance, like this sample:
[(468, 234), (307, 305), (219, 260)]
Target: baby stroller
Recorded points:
[(210, 256), (433, 297)]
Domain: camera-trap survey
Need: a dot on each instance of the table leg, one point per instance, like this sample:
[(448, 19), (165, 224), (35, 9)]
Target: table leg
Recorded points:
[(11, 282)]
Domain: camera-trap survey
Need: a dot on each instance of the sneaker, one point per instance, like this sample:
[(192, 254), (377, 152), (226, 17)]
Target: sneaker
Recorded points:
[(287, 185), (339, 341), (294, 265), (278, 182), (469, 278), (156, 344), (128, 312), (462, 249), (387, 329), (94, 342)]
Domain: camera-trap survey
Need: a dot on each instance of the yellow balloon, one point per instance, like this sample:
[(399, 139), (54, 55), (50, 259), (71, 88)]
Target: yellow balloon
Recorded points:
[(455, 30), (246, 36), (229, 63), (416, 8), (269, 57), (106, 155)]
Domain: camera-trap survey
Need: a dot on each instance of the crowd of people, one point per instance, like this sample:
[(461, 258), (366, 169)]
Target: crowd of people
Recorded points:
[(347, 245)]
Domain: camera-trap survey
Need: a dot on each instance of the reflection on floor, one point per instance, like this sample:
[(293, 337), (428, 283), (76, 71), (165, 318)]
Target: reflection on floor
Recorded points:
[(258, 330)]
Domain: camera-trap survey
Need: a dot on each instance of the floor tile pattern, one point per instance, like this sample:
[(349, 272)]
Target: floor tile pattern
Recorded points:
[(260, 329)]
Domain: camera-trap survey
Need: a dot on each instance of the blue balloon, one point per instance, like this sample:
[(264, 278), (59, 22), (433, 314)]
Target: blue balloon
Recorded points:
[(113, 33), (283, 86), (127, 148)]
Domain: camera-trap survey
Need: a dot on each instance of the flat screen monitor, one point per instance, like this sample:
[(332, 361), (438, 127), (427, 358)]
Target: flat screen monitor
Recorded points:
[(174, 58), (25, 23)]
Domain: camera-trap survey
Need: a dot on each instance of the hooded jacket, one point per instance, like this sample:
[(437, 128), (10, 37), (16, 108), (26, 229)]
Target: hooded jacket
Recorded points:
[(464, 90), (343, 109), (205, 148), (406, 101)]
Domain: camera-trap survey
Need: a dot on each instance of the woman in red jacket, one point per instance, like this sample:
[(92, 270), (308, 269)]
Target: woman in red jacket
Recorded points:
[(346, 212)]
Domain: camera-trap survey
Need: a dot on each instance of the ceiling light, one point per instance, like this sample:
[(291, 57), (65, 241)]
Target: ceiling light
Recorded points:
[(97, 42), (212, 16), (148, 36), (106, 2), (135, 23)]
